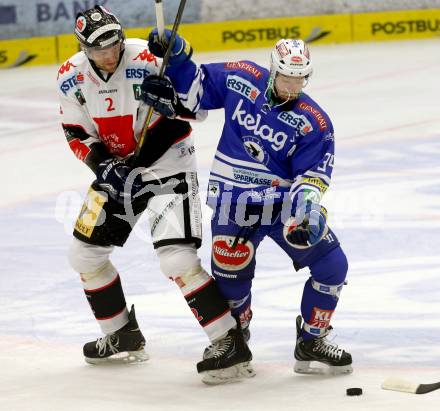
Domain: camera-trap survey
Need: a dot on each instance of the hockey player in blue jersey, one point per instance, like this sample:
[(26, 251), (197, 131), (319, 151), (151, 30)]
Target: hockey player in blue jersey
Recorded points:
[(272, 166)]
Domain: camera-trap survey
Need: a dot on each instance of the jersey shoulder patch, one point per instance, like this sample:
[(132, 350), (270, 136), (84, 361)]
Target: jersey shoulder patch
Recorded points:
[(314, 113), (138, 52), (69, 73), (245, 67)]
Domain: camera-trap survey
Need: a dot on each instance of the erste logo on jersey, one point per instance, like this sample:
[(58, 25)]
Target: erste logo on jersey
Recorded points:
[(243, 87), (228, 258), (264, 131), (136, 73), (297, 121), (66, 85), (255, 149)]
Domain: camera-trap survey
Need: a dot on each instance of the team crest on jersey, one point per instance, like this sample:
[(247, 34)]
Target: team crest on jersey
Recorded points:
[(255, 149), (213, 189), (80, 97), (243, 87), (137, 91), (298, 121)]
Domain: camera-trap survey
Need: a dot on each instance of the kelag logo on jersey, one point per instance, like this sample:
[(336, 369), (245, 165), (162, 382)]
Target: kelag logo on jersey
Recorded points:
[(243, 87), (264, 131), (66, 85), (297, 121)]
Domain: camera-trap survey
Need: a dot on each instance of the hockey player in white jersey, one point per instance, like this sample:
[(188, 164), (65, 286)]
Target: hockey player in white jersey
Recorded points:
[(272, 166), (103, 114)]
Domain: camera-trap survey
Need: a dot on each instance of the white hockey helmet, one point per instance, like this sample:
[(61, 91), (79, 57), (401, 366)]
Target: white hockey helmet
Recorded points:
[(290, 57)]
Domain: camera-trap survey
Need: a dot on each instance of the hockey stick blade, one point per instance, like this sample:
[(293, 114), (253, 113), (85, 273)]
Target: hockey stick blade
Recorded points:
[(397, 384)]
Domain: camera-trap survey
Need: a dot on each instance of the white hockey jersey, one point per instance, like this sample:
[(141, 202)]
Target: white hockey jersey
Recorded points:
[(103, 116)]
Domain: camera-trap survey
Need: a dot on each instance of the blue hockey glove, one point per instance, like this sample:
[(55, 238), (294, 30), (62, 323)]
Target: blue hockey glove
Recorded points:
[(113, 177), (159, 93), (181, 52), (311, 220)]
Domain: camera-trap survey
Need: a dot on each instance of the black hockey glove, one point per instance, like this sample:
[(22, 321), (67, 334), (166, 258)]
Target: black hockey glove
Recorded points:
[(159, 93), (114, 177)]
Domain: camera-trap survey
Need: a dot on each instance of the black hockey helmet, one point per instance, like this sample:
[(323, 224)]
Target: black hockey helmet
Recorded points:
[(97, 28)]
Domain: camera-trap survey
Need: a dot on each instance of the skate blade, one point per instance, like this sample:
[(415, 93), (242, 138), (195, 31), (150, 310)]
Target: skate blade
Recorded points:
[(126, 357), (303, 367), (227, 375)]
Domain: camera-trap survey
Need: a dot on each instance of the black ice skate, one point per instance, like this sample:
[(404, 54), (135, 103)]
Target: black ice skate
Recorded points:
[(320, 350), (123, 346), (226, 360), (246, 336)]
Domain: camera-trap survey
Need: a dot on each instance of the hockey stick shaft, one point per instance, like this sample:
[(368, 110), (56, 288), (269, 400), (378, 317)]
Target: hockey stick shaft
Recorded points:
[(165, 60), (160, 20)]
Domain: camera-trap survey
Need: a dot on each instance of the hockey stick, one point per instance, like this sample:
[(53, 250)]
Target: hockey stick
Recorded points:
[(160, 20), (396, 384), (165, 60)]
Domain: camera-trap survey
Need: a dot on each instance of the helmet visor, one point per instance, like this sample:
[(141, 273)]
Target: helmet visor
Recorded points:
[(98, 53)]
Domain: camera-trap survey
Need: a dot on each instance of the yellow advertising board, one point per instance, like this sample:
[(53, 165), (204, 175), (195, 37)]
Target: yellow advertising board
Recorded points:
[(229, 35), (265, 32), (67, 46), (30, 52), (396, 25)]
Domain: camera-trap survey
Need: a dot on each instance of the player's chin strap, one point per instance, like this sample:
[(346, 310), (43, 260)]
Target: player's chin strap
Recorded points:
[(270, 101)]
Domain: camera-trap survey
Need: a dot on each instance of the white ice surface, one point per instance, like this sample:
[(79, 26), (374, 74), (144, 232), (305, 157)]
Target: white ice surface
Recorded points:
[(384, 205)]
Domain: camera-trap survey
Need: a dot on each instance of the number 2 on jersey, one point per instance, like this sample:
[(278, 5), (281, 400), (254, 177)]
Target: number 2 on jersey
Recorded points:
[(110, 104)]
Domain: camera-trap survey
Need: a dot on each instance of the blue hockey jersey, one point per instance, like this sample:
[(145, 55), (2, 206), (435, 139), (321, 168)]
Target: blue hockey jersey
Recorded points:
[(266, 152)]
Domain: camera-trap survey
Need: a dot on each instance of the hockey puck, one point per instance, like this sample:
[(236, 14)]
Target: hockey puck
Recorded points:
[(351, 392)]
